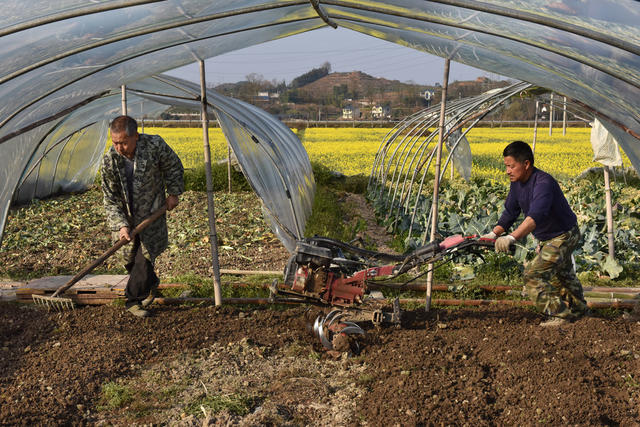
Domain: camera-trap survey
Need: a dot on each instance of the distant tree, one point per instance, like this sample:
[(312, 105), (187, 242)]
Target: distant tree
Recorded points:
[(311, 76), (519, 109)]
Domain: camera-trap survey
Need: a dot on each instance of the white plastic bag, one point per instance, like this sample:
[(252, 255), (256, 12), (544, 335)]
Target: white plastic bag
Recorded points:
[(461, 155), (605, 146)]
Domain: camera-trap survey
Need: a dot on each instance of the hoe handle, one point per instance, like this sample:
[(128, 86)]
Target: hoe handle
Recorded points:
[(144, 224)]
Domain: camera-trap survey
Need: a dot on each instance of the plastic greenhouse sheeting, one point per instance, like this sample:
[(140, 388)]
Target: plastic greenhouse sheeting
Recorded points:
[(270, 155), (58, 59)]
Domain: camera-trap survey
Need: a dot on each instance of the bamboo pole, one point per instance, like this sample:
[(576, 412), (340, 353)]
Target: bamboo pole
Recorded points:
[(612, 289), (231, 301), (551, 115), (436, 178), (213, 237), (608, 296), (434, 287), (519, 303), (609, 293), (249, 272), (123, 99), (607, 192), (229, 166), (450, 302), (564, 116), (596, 292), (535, 128), (451, 168)]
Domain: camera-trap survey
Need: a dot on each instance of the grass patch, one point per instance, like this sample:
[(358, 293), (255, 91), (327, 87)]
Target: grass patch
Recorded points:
[(327, 216), (608, 313), (238, 404), (257, 279), (118, 302), (202, 287), (366, 379), (170, 392), (115, 395), (300, 349), (628, 279), (499, 269)]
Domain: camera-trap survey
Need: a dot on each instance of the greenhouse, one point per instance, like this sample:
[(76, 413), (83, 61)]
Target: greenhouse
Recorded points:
[(522, 332), (63, 65)]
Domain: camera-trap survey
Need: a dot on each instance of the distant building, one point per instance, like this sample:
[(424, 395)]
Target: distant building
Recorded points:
[(187, 116), (266, 96), (381, 112), (350, 113)]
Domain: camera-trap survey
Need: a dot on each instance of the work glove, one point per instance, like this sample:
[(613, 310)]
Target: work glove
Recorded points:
[(490, 235), (503, 242)]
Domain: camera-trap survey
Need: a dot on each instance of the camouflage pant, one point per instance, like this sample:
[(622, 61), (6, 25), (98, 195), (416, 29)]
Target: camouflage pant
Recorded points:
[(550, 279), (127, 254)]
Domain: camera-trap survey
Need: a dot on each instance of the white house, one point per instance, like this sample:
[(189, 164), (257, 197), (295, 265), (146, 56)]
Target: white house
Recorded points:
[(381, 112), (349, 112)]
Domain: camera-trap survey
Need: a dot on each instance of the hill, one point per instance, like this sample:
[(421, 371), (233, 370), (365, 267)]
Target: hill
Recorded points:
[(320, 93), (358, 85)]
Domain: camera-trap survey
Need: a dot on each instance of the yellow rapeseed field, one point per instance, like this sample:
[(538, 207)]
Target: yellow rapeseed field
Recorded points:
[(352, 150), (561, 156), (187, 142)]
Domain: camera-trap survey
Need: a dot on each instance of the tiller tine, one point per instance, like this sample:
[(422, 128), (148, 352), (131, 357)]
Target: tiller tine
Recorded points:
[(333, 334), (53, 303)]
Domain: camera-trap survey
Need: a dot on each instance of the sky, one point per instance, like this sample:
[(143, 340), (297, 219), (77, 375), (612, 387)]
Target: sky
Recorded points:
[(346, 50)]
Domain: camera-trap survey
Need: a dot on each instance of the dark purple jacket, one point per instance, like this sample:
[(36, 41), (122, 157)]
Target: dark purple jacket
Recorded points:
[(540, 198)]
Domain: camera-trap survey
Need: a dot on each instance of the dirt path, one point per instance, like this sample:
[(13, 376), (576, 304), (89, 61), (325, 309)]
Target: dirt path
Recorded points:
[(358, 207), (487, 366)]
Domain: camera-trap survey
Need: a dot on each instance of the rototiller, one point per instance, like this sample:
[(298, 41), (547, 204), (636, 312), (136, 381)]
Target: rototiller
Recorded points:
[(329, 272)]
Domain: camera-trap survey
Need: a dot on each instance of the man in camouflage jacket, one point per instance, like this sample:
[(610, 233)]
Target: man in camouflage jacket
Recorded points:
[(136, 173)]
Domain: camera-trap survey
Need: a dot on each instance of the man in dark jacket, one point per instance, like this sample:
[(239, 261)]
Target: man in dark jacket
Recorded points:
[(549, 217), (137, 172)]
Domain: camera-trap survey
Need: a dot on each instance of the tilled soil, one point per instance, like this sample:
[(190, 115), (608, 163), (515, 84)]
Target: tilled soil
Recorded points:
[(200, 365), (484, 366)]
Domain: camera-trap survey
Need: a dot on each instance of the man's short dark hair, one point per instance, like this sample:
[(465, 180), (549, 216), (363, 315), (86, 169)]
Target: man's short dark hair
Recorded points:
[(124, 124), (520, 151)]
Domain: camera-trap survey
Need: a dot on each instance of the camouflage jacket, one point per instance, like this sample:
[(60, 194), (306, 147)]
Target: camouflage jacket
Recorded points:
[(157, 169)]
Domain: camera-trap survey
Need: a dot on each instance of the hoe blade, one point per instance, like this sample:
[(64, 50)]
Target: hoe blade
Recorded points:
[(53, 303)]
